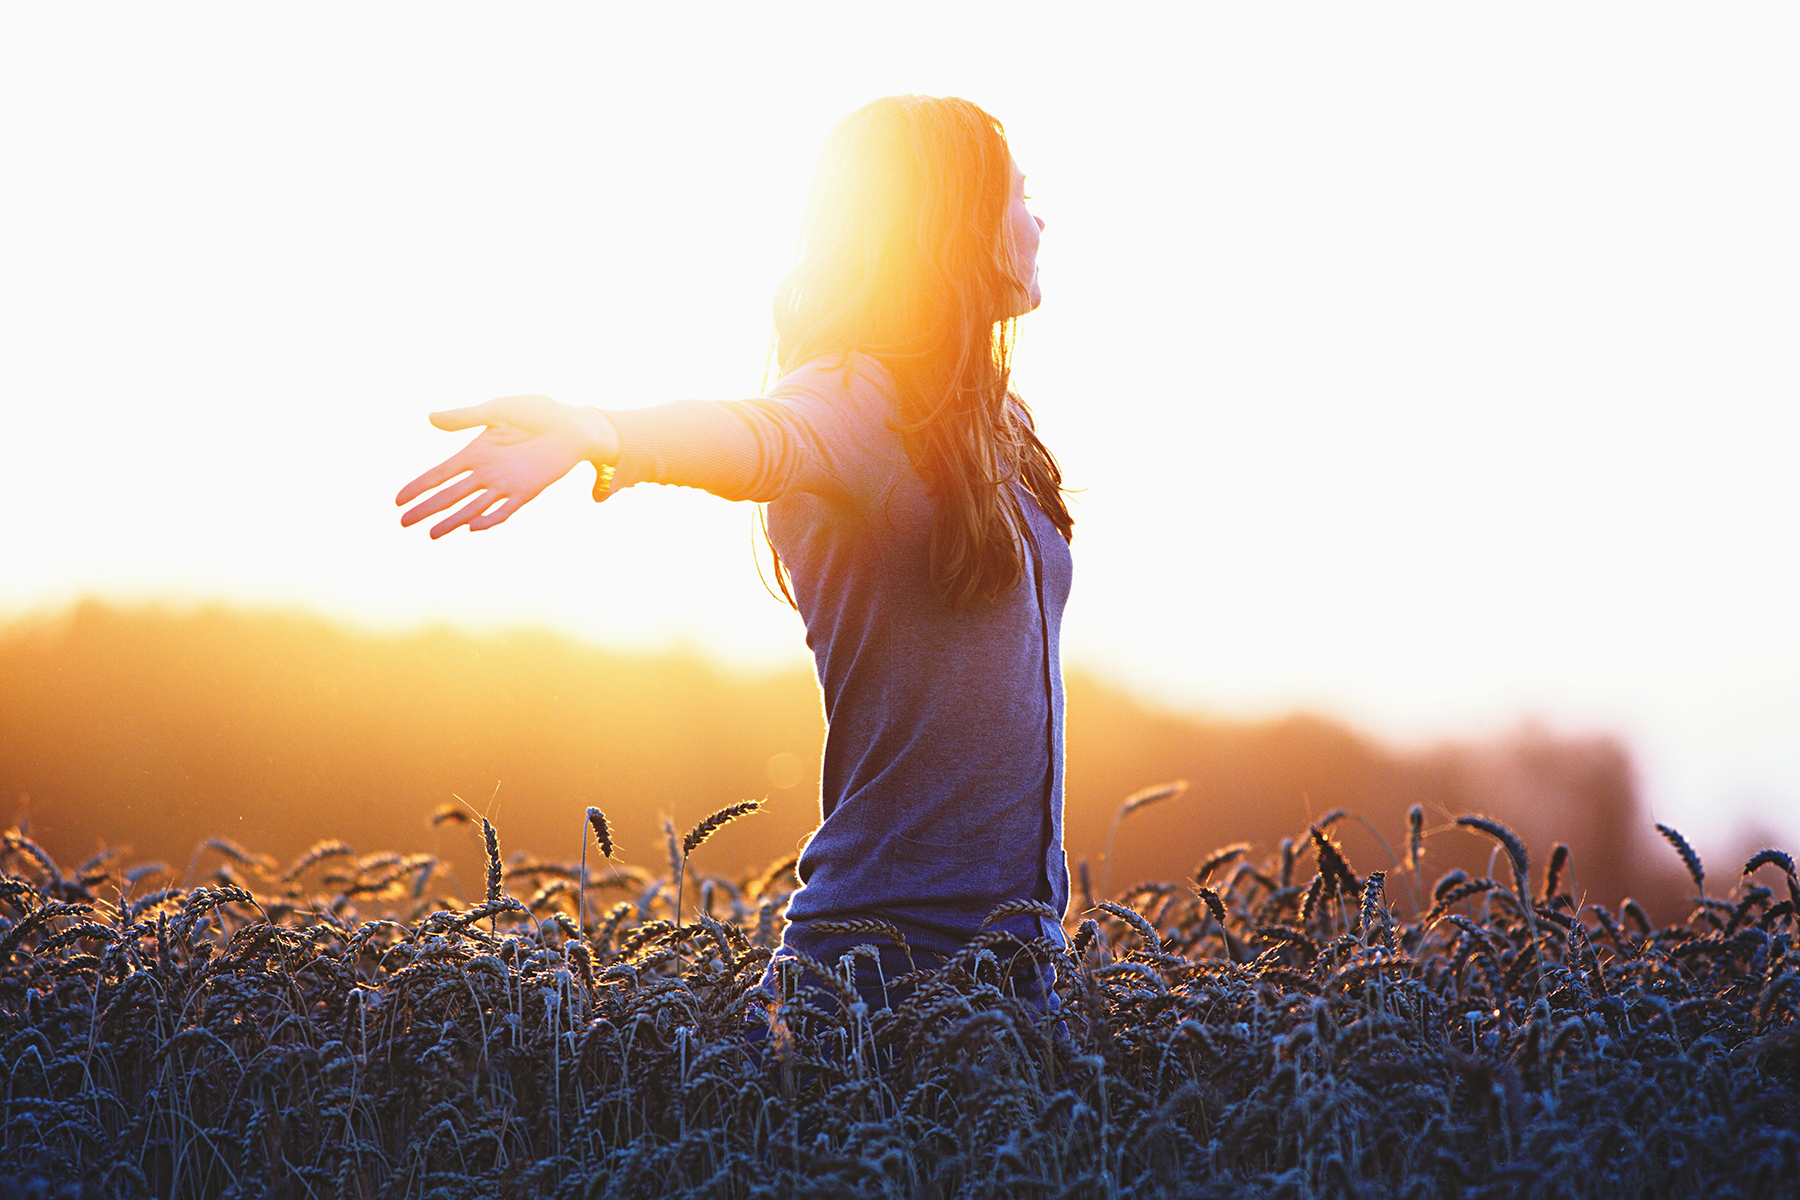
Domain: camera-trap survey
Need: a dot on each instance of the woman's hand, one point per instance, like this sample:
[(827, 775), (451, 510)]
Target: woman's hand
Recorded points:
[(530, 442)]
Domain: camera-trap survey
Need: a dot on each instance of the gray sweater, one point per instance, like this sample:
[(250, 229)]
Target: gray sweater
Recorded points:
[(942, 786)]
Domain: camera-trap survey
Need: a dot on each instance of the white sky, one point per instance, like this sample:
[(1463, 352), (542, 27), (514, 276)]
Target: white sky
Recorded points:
[(1428, 365)]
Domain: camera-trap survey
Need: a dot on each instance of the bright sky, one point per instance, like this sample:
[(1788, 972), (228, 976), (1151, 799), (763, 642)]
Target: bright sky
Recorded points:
[(1432, 366)]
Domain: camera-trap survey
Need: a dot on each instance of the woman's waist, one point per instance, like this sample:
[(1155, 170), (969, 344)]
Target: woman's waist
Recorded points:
[(938, 809), (945, 879)]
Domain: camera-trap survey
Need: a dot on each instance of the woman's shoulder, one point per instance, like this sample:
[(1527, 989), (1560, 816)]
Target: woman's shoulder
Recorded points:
[(842, 408), (854, 379)]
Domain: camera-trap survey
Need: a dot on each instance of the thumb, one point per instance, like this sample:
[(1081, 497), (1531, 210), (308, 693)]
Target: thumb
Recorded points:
[(462, 418)]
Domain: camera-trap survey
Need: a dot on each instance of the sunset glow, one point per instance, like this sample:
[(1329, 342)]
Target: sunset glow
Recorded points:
[(1430, 369)]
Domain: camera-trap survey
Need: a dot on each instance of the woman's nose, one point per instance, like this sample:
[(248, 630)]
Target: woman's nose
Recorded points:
[(1040, 222)]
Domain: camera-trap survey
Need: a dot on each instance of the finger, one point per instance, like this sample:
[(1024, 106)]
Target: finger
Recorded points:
[(466, 513), (457, 491), (489, 520), (463, 418), (445, 471)]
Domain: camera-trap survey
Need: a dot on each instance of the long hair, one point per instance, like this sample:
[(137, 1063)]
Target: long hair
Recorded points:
[(906, 257)]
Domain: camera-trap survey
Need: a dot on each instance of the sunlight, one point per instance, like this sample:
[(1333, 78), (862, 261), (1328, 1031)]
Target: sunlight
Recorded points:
[(1418, 367)]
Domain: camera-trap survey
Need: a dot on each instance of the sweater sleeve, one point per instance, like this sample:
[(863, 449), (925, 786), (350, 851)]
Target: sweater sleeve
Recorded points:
[(811, 433)]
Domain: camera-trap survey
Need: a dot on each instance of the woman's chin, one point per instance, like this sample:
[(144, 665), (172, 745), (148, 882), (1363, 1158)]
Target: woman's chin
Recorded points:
[(1024, 302)]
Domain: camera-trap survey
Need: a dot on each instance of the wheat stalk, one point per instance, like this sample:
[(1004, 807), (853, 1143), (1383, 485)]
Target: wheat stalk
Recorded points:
[(596, 820), (1515, 850), (1142, 798), (1147, 932), (1781, 859), (1689, 859), (1559, 859), (602, 831), (319, 852), (1415, 850), (870, 925), (1219, 858), (717, 821), (697, 836), (1013, 908), (490, 839)]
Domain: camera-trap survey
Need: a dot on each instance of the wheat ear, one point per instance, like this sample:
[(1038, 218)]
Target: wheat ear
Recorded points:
[(603, 835), (1141, 798), (1689, 859), (698, 835)]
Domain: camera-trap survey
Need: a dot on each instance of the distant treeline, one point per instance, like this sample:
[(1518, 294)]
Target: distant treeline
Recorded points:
[(160, 729)]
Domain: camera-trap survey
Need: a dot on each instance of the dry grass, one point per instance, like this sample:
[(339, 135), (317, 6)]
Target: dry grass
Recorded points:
[(334, 1031)]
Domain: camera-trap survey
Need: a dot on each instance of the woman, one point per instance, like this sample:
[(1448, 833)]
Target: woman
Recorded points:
[(917, 521)]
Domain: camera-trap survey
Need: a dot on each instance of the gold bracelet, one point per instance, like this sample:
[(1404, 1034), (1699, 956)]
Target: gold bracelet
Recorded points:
[(603, 480)]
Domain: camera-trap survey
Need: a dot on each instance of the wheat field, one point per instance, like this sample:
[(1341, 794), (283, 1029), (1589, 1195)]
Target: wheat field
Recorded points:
[(1274, 1025)]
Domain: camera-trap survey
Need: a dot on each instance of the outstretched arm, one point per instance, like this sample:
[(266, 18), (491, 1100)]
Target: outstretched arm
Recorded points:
[(817, 431), (530, 442)]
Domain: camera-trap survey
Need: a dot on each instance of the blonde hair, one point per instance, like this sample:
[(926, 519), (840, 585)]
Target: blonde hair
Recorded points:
[(906, 257)]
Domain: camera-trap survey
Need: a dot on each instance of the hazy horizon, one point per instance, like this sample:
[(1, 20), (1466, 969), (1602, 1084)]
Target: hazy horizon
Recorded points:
[(158, 730)]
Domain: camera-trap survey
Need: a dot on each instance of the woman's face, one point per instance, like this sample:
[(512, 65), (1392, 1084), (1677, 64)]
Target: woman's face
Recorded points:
[(1024, 230)]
